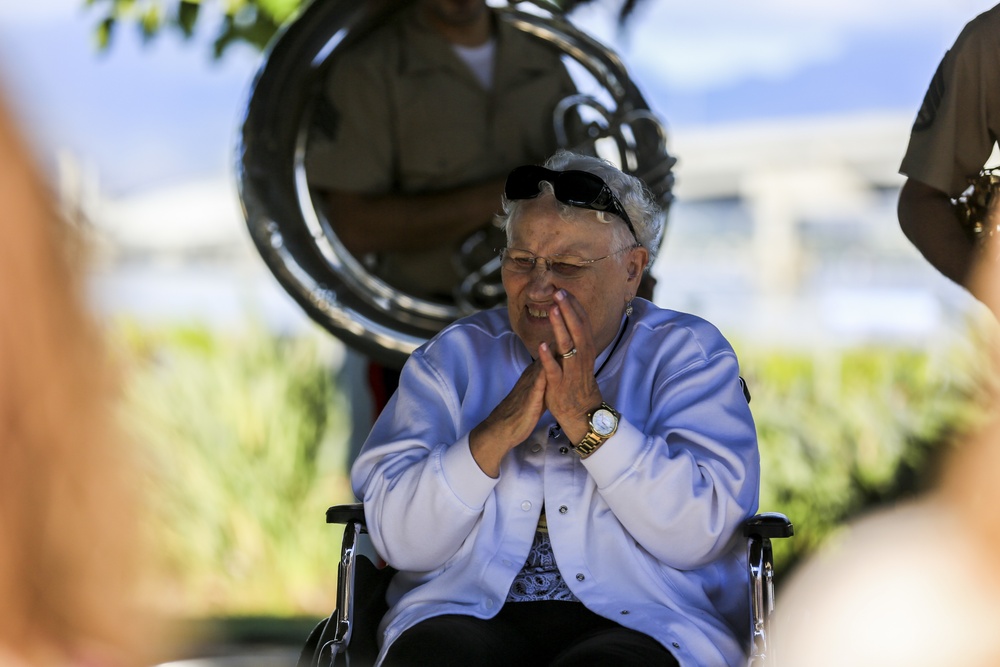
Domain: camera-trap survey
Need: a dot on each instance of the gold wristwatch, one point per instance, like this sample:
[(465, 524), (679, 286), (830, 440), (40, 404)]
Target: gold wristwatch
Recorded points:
[(603, 424)]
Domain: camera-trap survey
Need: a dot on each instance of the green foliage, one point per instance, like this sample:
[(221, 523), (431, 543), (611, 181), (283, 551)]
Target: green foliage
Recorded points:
[(244, 440), (252, 22)]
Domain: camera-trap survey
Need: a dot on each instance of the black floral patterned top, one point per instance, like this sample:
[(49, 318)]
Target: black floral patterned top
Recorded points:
[(540, 579)]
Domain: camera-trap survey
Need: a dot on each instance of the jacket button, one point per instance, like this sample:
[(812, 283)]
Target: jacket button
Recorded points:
[(563, 509), (526, 505), (579, 576), (564, 450)]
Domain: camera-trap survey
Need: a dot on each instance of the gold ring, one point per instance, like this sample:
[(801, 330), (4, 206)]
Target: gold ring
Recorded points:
[(569, 354)]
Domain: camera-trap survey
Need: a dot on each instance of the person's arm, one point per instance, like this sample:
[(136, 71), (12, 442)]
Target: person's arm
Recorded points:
[(683, 485), (928, 220), (397, 222), (952, 137), (510, 423), (689, 467), (422, 489), (423, 483), (682, 478), (355, 169)]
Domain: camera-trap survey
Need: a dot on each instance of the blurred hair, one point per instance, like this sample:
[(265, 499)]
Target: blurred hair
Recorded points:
[(635, 197), (68, 556), (922, 568)]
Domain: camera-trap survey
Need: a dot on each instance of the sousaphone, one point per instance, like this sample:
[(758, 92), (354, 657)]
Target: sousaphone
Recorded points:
[(296, 240)]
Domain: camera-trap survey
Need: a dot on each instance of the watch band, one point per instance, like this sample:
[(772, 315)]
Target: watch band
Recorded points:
[(589, 444), (593, 439)]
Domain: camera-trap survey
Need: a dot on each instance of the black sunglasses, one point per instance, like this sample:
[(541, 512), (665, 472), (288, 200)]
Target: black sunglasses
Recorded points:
[(573, 187)]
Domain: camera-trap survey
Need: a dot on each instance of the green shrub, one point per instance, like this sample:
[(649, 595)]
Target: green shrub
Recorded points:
[(245, 438), (842, 431)]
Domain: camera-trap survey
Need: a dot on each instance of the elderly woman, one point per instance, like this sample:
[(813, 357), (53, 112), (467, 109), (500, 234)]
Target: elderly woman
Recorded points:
[(561, 482)]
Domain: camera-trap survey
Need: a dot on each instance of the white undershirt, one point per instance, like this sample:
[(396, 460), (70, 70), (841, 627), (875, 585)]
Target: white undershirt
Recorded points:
[(480, 60)]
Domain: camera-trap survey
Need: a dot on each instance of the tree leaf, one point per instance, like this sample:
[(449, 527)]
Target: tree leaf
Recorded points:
[(187, 16), (102, 36)]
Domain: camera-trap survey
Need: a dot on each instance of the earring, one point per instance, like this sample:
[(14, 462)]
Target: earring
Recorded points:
[(628, 308)]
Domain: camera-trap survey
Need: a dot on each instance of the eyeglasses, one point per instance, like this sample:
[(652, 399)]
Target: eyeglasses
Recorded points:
[(573, 187), (516, 260)]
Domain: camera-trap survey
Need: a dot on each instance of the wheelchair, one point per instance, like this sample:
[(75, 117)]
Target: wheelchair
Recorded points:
[(347, 637)]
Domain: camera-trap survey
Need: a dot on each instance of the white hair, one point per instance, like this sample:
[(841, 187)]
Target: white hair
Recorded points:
[(640, 206)]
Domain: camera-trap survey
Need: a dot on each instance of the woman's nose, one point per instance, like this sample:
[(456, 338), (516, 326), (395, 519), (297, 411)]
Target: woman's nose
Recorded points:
[(540, 278)]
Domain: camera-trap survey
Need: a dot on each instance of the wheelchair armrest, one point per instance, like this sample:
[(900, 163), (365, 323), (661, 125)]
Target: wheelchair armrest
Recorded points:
[(346, 513), (759, 530), (768, 525), (361, 588)]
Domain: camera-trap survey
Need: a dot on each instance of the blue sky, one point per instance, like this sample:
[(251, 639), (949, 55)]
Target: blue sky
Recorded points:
[(725, 61), (166, 112)]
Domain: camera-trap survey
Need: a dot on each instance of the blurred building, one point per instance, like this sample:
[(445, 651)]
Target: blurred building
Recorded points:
[(782, 231)]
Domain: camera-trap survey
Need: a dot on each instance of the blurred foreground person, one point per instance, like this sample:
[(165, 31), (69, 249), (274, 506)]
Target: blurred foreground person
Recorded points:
[(918, 584), (68, 560)]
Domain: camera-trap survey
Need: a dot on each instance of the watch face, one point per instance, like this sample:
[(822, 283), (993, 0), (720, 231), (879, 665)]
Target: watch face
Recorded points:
[(604, 422)]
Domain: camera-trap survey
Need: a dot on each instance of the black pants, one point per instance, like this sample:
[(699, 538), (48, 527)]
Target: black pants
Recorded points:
[(529, 634)]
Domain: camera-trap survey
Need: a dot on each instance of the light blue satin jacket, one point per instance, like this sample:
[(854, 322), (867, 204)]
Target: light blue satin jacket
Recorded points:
[(646, 531)]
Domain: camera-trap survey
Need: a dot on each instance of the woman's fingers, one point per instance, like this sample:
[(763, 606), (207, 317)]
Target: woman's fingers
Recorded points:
[(564, 344), (511, 421), (570, 387), (570, 391), (573, 320)]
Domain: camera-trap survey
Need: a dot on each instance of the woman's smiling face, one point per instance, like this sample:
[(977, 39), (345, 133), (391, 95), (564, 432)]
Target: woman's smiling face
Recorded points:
[(603, 287)]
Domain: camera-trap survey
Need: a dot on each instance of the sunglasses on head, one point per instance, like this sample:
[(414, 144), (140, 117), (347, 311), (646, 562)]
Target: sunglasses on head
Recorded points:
[(572, 187)]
